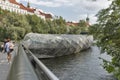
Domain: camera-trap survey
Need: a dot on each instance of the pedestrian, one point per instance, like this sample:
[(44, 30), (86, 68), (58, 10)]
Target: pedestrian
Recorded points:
[(2, 48), (5, 41), (9, 48)]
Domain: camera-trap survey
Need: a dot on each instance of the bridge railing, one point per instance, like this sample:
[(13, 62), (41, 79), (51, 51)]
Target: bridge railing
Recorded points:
[(26, 66), (21, 68), (41, 70)]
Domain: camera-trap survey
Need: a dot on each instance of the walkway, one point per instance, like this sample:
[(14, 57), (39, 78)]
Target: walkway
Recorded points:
[(4, 66)]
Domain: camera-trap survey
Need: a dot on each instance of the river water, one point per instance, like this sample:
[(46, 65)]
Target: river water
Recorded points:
[(82, 66)]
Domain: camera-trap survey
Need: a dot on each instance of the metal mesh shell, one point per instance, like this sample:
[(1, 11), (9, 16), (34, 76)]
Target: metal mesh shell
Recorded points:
[(53, 45)]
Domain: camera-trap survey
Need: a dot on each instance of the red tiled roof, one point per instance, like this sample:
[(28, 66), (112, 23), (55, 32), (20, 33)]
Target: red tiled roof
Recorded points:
[(41, 13), (46, 15), (22, 6), (26, 8), (29, 9), (13, 1)]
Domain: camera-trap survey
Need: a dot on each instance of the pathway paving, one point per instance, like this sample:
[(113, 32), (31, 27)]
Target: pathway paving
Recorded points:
[(4, 66)]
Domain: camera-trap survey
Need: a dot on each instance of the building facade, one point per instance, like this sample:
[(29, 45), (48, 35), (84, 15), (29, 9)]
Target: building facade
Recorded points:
[(13, 6)]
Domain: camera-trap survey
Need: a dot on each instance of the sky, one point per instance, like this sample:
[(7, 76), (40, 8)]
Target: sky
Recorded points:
[(70, 10)]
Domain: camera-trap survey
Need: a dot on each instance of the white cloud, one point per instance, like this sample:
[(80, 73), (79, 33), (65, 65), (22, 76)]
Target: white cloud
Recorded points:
[(91, 8), (93, 18), (52, 3), (18, 0), (79, 8), (88, 4)]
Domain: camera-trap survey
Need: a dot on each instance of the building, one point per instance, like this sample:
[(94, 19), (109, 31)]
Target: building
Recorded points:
[(72, 23), (87, 21), (13, 6)]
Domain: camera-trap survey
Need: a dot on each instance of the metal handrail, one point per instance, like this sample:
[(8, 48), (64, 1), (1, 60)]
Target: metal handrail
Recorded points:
[(48, 75), (21, 68)]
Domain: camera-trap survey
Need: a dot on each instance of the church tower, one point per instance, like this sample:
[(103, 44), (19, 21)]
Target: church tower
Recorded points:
[(87, 21), (28, 4)]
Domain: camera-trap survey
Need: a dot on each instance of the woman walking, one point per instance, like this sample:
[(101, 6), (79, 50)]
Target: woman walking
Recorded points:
[(9, 48)]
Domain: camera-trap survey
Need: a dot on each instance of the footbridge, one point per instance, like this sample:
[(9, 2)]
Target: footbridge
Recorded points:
[(25, 66)]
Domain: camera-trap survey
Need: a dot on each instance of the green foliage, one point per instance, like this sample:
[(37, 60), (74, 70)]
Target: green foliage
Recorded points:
[(16, 26), (83, 26), (82, 23), (107, 33)]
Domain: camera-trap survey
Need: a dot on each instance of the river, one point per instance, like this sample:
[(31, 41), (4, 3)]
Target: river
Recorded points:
[(83, 66)]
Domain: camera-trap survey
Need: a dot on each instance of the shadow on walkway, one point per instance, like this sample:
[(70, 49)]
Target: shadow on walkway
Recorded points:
[(4, 66)]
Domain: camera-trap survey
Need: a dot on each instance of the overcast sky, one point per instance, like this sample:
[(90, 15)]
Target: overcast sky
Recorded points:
[(70, 10)]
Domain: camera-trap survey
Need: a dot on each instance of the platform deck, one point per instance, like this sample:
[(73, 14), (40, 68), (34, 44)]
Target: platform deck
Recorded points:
[(4, 66)]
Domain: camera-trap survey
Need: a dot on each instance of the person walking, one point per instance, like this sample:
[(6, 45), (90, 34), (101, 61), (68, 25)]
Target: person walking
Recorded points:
[(9, 48), (5, 41), (2, 48)]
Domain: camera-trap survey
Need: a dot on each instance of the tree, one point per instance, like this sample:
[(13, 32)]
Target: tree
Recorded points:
[(94, 30), (12, 26), (17, 26), (108, 36), (83, 25)]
